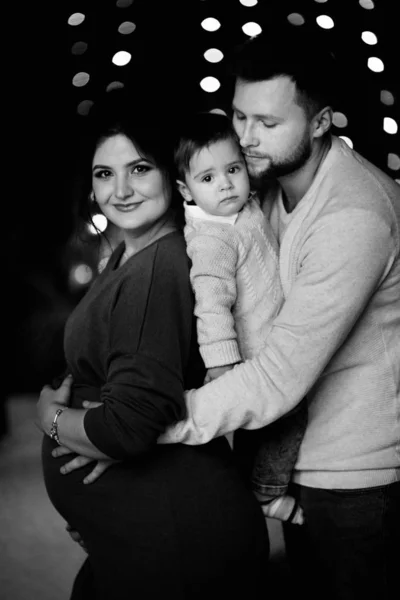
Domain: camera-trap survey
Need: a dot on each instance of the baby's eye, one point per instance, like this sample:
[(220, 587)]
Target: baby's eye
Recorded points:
[(207, 178), (234, 169)]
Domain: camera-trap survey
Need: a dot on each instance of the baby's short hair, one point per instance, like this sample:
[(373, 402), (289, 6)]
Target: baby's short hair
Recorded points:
[(200, 131)]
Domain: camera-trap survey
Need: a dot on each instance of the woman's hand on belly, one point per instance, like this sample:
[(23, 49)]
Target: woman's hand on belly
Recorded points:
[(81, 461), (49, 401)]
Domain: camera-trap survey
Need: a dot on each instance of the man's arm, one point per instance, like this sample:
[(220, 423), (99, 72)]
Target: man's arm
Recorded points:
[(342, 262)]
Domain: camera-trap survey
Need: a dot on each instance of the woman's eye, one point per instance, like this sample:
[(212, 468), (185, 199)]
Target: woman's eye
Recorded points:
[(102, 174), (269, 125), (239, 117), (140, 169)]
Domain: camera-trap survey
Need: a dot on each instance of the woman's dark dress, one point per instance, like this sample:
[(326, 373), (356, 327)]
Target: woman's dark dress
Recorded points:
[(170, 519)]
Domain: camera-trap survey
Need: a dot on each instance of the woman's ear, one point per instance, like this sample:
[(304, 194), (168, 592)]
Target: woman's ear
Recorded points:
[(184, 191)]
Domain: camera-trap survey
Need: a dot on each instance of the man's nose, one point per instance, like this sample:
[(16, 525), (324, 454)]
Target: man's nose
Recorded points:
[(247, 137)]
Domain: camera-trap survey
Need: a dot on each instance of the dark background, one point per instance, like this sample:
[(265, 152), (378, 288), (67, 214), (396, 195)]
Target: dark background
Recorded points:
[(41, 126)]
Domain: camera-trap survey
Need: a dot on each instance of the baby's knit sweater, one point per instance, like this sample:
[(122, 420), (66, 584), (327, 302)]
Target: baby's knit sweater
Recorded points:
[(235, 277)]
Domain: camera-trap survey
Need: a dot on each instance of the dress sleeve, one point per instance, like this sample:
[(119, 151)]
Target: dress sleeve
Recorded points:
[(149, 344), (213, 278), (342, 262)]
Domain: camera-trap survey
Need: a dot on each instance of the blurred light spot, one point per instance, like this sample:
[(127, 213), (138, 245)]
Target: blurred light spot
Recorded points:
[(387, 97), (375, 64), (339, 119), (389, 125), (397, 181), (99, 224), (121, 58), (210, 84), (124, 3), (218, 111), (393, 161), (321, 1), (213, 55), (81, 274), (84, 107), (80, 79), (369, 38), (368, 4), (210, 24), (79, 48), (248, 2), (126, 28), (347, 140), (76, 19), (296, 19), (114, 85), (325, 22), (251, 29)]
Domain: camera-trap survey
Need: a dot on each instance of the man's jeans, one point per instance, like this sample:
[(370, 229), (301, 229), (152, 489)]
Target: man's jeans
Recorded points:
[(349, 545)]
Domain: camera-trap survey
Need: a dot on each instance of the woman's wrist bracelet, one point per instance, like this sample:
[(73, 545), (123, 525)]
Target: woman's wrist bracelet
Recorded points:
[(54, 426)]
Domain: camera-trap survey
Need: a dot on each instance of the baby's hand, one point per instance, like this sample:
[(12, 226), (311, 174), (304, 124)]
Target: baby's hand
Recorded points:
[(216, 372)]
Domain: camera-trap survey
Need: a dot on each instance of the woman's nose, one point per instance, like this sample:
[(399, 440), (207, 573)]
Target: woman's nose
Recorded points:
[(123, 189)]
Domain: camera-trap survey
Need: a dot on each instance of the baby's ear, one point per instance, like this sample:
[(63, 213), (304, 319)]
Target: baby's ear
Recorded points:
[(184, 191)]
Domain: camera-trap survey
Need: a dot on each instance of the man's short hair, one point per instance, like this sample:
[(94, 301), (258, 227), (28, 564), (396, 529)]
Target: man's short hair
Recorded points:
[(303, 59)]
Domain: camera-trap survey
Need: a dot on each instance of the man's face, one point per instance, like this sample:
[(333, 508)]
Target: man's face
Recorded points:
[(274, 131)]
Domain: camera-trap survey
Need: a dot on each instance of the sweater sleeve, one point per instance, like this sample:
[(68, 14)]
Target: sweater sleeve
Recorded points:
[(149, 344), (343, 260), (213, 278)]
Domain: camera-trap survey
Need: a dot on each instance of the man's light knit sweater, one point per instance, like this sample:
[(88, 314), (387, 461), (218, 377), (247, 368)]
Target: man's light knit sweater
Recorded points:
[(337, 337), (235, 277)]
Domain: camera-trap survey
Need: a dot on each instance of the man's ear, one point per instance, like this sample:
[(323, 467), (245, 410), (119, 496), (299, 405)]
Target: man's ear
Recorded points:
[(322, 122), (184, 190)]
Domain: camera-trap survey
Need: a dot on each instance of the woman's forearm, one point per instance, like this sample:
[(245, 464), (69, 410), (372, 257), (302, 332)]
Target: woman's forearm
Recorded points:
[(72, 434)]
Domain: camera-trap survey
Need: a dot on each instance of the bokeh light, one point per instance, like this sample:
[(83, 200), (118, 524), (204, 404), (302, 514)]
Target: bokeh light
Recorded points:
[(390, 125), (121, 58), (251, 29), (210, 84), (210, 24), (213, 55), (375, 64), (76, 19)]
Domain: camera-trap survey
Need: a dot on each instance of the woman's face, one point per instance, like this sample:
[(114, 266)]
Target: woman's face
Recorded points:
[(130, 190)]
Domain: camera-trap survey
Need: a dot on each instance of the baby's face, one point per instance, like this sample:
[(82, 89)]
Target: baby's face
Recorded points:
[(217, 180)]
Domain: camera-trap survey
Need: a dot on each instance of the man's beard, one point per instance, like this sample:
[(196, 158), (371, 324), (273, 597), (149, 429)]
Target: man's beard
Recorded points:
[(291, 163)]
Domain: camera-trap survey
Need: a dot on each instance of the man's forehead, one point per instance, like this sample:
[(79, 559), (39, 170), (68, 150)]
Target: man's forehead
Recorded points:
[(279, 91)]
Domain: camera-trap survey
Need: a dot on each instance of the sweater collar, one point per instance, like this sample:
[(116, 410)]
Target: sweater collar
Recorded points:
[(195, 212)]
